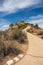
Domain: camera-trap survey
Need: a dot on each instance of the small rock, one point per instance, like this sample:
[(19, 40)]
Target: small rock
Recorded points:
[(10, 62)]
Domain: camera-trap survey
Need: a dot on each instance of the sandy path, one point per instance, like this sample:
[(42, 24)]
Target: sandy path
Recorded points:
[(34, 54)]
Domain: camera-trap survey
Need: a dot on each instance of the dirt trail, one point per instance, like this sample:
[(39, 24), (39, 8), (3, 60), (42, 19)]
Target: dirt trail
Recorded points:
[(34, 54)]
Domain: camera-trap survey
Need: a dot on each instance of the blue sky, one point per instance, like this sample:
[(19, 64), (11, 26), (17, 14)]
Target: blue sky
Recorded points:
[(12, 11)]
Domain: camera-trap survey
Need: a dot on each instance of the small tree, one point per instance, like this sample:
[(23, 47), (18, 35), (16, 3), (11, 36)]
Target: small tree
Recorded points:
[(36, 25), (32, 25), (11, 25)]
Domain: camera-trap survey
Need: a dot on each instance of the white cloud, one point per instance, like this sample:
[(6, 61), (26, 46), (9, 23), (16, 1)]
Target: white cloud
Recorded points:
[(36, 17), (4, 27), (41, 25), (4, 24), (39, 21), (36, 20), (14, 5)]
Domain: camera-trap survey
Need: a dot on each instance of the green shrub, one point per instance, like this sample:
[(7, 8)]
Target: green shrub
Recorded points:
[(36, 26), (11, 25)]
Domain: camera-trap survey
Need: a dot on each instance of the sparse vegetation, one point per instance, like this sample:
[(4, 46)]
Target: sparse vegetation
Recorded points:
[(36, 30), (11, 41), (22, 26)]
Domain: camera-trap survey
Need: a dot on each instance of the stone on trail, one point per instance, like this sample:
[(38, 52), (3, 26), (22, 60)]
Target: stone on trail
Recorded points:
[(10, 62), (16, 59), (20, 55)]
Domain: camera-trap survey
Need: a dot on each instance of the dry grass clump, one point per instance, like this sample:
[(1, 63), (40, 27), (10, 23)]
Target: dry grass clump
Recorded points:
[(9, 47), (9, 43)]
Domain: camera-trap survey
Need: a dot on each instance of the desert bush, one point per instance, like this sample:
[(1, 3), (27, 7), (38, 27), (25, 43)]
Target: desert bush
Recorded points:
[(32, 25), (11, 25), (17, 51), (17, 34), (1, 49), (8, 47), (21, 40), (36, 26), (40, 33), (22, 26), (8, 44)]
